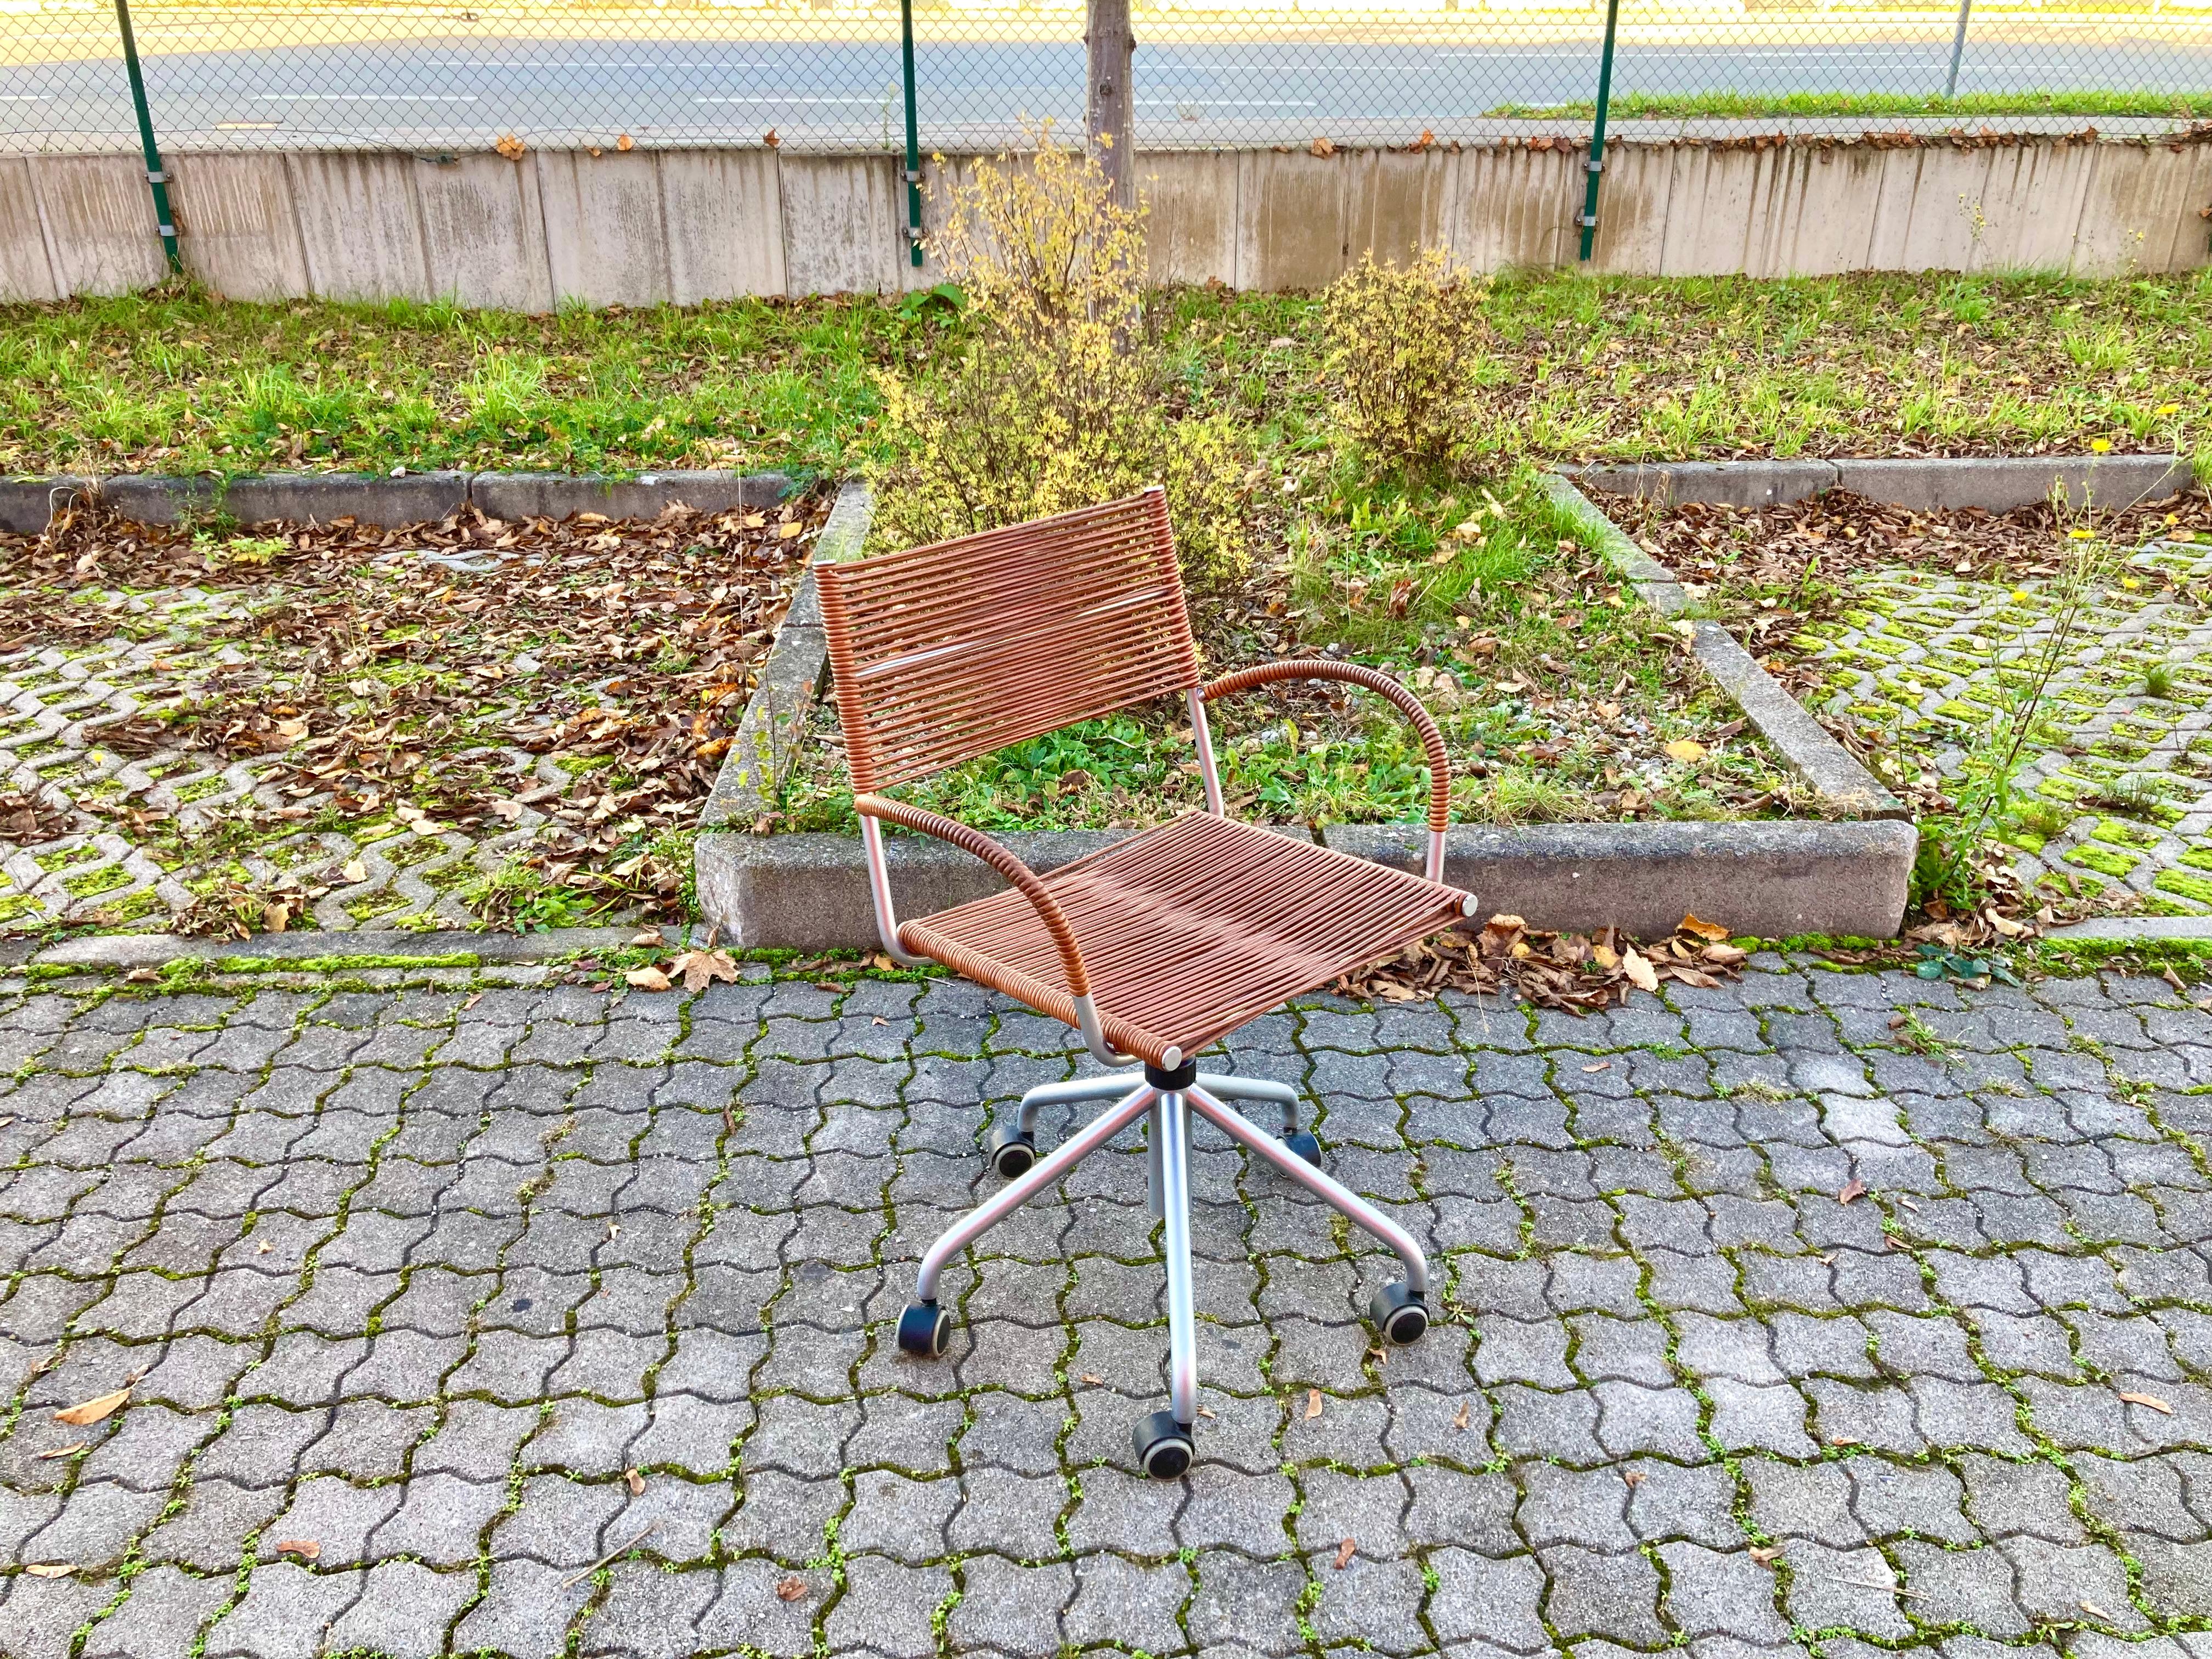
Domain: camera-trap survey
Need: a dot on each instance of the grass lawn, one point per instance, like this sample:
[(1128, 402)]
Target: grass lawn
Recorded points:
[(1583, 368)]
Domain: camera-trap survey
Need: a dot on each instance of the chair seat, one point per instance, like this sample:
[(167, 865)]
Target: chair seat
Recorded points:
[(1190, 930)]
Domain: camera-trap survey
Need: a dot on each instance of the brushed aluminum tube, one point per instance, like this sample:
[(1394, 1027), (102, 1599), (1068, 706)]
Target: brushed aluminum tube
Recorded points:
[(1074, 1091), (1334, 1192), (1042, 1175), (1255, 1088), (1094, 1038), (1154, 1199), (1201, 737), (1173, 1122), (879, 890)]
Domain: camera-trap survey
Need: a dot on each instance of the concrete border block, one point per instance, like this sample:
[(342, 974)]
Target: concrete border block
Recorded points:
[(28, 505), (2000, 483), (810, 891), (562, 494), (1735, 483)]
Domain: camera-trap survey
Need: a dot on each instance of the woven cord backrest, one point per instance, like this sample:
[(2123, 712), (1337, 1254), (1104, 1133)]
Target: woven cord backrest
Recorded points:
[(947, 651)]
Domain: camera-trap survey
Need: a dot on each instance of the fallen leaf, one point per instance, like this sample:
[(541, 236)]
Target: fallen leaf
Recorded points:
[(474, 997), (1344, 1554), (355, 870), (65, 1451), (1313, 1404), (1686, 750), (635, 1482), (1599, 1065), (1702, 928), (305, 1548), (1321, 147), (1853, 1189), (511, 146), (1460, 1421), (275, 918), (701, 968), (1604, 955), (2093, 1610), (51, 1568), (141, 976), (648, 978), (1765, 1554), (646, 936), (1094, 1380), (1725, 956), (624, 143), (2150, 1400), (1842, 1440), (1640, 973), (790, 1588), (1897, 1022), (1634, 1478), (2166, 974), (1206, 1411), (89, 1412)]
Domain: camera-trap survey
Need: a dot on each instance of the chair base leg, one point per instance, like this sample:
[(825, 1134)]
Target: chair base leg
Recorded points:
[(1163, 1442)]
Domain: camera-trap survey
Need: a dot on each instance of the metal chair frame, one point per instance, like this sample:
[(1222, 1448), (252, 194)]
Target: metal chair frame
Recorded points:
[(1167, 1089)]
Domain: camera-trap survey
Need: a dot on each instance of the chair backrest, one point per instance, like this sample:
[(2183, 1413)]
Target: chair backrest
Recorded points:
[(944, 653)]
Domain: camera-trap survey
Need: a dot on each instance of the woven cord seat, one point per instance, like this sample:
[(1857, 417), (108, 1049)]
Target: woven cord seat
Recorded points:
[(1190, 930), (1153, 948)]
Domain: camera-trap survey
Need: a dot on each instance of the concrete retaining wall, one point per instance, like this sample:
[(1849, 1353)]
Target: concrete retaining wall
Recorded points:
[(687, 225)]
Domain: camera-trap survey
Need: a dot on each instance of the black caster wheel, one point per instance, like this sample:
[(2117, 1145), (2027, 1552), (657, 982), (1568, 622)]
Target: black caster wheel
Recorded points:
[(1012, 1150), (1163, 1447), (923, 1329), (1305, 1144), (1398, 1313)]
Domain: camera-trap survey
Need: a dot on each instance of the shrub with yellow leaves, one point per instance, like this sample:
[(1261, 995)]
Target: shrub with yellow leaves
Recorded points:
[(1062, 398), (1405, 347)]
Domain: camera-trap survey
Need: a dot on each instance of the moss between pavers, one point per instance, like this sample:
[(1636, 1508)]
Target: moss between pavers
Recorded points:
[(2184, 884), (2103, 859)]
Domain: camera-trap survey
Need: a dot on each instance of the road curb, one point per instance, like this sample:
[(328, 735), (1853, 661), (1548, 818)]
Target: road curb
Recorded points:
[(1774, 879), (128, 950), (386, 499), (1996, 483)]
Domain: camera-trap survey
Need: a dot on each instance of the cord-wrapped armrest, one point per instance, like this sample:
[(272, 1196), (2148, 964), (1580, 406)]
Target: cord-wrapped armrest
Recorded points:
[(1374, 679), (975, 841)]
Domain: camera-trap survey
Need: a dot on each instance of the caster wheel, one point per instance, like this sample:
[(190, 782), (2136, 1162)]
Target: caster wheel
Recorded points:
[(1163, 1447), (1305, 1144), (923, 1329), (1012, 1151), (1398, 1313)]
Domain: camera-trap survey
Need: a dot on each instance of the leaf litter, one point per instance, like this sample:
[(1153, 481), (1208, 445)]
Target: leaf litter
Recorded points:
[(577, 679)]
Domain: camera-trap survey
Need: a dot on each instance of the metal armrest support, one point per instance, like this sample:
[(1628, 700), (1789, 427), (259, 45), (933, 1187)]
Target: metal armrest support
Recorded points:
[(872, 807), (1373, 679)]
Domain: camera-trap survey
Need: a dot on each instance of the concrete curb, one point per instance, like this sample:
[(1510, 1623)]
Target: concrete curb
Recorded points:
[(1774, 879), (1802, 742), (27, 504), (128, 950), (2138, 930), (1995, 484)]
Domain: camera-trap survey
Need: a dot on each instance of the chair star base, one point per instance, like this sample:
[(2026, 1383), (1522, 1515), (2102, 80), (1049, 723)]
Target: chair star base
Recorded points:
[(1163, 1441)]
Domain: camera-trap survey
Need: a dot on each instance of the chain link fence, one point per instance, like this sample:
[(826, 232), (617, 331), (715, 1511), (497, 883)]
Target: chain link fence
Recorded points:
[(450, 76)]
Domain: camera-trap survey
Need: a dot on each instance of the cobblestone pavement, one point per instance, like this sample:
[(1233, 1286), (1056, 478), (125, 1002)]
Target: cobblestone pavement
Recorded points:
[(55, 703), (408, 1279), (2129, 783)]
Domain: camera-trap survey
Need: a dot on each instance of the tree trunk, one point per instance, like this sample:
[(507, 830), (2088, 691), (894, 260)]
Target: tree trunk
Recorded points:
[(1110, 111)]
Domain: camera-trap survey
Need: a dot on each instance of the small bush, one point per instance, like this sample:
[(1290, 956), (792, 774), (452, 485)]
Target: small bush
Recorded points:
[(1406, 343), (1062, 398)]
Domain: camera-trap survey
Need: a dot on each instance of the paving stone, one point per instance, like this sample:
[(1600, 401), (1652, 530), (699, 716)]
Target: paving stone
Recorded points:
[(888, 1609)]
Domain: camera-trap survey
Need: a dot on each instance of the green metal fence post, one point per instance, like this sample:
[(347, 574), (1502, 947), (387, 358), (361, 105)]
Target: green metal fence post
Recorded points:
[(164, 220), (913, 138), (1595, 165)]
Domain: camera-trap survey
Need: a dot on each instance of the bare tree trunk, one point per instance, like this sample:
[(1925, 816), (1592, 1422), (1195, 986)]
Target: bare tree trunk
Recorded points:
[(1108, 117)]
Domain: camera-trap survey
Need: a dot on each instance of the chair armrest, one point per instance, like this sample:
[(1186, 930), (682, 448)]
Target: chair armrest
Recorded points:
[(1320, 668), (975, 841)]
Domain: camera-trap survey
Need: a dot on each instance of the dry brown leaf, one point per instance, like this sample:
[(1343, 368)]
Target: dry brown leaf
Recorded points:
[(701, 968), (1688, 751), (1313, 1404), (1765, 1554), (1344, 1554), (634, 1481), (648, 978), (1094, 1380), (1599, 1065), (1633, 1477), (1459, 1422), (51, 1568), (1725, 956), (305, 1548), (790, 1588), (2150, 1400), (1640, 973), (65, 1451), (355, 870), (1321, 147), (1853, 1189), (89, 1412), (1703, 929)]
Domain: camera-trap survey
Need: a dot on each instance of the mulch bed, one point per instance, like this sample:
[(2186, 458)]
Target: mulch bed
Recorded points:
[(387, 667)]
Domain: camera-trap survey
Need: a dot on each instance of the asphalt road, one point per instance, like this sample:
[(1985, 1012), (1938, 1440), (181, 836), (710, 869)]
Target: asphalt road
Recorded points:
[(467, 88)]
